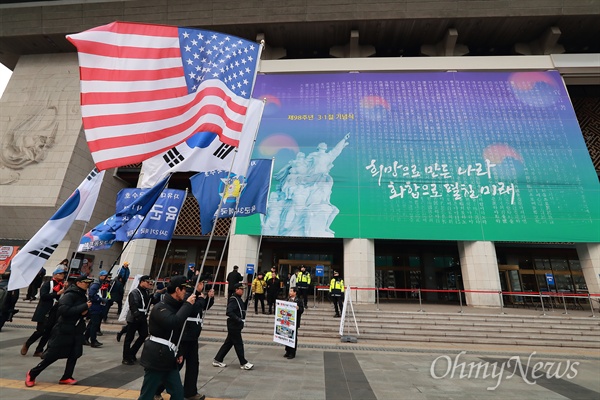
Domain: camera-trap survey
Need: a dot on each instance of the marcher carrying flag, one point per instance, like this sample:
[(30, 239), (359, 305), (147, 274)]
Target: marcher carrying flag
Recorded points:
[(146, 88), (79, 206)]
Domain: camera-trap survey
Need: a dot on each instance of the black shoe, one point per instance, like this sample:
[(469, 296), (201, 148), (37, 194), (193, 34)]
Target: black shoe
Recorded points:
[(119, 334), (127, 361), (100, 333), (96, 344), (86, 342), (286, 355), (291, 357)]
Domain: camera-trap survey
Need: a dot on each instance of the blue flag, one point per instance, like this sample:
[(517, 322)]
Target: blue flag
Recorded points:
[(252, 192), (105, 234), (161, 219)]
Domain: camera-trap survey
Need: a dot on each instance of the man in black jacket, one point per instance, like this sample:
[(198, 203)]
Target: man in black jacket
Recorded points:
[(45, 312), (67, 335), (233, 278), (139, 300), (236, 317), (290, 352), (159, 356), (188, 348)]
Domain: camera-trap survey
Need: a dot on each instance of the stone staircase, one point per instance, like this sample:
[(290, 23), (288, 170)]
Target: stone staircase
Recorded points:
[(391, 326)]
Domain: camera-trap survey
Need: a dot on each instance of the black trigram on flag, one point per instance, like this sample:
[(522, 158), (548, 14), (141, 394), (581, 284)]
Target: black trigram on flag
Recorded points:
[(223, 151), (44, 253), (92, 174), (173, 157)]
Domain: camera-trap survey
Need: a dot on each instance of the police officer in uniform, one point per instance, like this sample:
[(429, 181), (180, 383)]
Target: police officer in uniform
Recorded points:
[(336, 292), (159, 356), (188, 348), (139, 300), (302, 284)]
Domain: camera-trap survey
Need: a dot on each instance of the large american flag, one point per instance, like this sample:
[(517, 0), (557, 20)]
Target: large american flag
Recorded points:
[(147, 88)]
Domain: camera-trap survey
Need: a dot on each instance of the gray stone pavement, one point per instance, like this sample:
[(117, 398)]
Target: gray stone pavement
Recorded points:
[(325, 369)]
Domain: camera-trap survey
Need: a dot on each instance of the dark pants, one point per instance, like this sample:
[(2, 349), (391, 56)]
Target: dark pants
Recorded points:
[(109, 303), (141, 327), (233, 339), (32, 290), (292, 350), (338, 301), (259, 297), (41, 331), (47, 361), (271, 300), (303, 294), (189, 351), (153, 379), (93, 328)]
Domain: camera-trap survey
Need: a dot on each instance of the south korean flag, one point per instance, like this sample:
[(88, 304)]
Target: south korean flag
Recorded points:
[(204, 152), (31, 258)]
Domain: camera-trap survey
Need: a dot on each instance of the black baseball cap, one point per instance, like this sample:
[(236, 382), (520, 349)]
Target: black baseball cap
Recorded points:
[(179, 281), (84, 279), (238, 286)]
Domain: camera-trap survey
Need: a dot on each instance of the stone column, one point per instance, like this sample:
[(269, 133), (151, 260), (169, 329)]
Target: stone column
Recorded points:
[(359, 268), (479, 268), (243, 249), (140, 254), (589, 257)]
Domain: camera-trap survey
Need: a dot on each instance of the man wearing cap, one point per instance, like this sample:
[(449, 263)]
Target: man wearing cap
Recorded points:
[(66, 340), (45, 312), (303, 284), (233, 278), (159, 356), (336, 292), (96, 310), (236, 317), (188, 348), (139, 301)]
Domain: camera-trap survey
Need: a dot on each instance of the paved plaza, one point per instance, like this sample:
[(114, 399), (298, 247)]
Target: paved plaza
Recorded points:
[(324, 369)]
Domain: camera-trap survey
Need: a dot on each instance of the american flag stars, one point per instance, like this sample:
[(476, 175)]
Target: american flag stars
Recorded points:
[(212, 55)]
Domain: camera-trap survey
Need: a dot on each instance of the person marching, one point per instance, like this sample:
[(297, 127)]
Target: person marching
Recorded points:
[(273, 286), (159, 356), (188, 347), (45, 312), (290, 352), (302, 284), (258, 291), (96, 310), (336, 292), (139, 300), (236, 317), (66, 340)]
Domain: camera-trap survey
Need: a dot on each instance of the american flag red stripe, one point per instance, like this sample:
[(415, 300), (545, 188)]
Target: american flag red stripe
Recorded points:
[(137, 97)]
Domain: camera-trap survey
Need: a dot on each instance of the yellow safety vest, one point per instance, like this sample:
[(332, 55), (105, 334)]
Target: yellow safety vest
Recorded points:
[(337, 285)]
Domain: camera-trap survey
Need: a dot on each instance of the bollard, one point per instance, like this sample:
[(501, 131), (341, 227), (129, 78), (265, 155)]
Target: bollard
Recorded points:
[(501, 303), (314, 296), (377, 298), (564, 303), (591, 306), (460, 300), (542, 302), (420, 302)]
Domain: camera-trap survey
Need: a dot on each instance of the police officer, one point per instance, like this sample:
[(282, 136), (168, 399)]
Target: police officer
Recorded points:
[(188, 348), (336, 292), (236, 317), (139, 300), (159, 356), (303, 283)]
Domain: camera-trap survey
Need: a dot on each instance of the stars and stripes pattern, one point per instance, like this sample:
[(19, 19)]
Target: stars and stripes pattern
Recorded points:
[(147, 88)]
